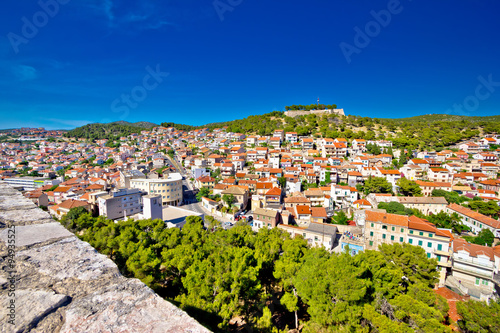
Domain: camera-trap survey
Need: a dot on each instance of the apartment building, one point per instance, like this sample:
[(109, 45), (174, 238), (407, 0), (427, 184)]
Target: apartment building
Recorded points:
[(383, 228), (474, 269), (291, 137), (428, 187), (475, 220), (265, 218), (439, 175), (169, 188), (121, 203), (426, 205), (316, 234), (26, 183)]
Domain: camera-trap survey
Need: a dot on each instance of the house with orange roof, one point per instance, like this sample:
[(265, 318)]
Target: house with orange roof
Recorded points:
[(362, 204), (470, 147), (383, 228), (65, 206), (342, 196), (428, 187), (272, 198), (419, 162), (291, 137), (474, 220), (439, 175), (474, 267), (392, 176)]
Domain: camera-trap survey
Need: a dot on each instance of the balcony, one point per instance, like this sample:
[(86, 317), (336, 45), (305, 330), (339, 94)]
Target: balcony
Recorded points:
[(472, 272), (444, 264), (473, 262), (443, 253)]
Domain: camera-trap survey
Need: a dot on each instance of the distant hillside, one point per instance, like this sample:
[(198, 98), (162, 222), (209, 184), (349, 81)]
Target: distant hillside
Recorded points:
[(424, 132), (444, 117), (111, 131), (141, 124)]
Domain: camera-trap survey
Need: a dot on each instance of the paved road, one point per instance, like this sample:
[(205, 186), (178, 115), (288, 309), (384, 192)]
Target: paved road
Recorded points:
[(190, 202)]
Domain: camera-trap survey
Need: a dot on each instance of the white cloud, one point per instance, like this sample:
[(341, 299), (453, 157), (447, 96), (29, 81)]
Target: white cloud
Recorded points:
[(24, 72), (69, 122), (142, 15)]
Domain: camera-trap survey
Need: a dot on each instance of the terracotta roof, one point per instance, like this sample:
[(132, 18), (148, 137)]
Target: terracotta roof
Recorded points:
[(274, 191), (475, 215), (393, 219), (474, 250), (420, 224), (68, 204), (452, 298), (297, 199), (206, 179), (362, 202), (303, 210), (318, 212)]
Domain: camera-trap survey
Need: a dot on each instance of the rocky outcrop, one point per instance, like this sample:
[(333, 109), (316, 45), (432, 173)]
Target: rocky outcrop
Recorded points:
[(50, 281)]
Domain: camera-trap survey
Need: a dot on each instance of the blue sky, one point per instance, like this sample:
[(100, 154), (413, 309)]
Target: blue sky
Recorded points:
[(203, 61)]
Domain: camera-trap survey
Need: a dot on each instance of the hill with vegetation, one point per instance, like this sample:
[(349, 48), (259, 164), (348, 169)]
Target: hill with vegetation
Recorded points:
[(111, 131), (141, 124), (424, 132)]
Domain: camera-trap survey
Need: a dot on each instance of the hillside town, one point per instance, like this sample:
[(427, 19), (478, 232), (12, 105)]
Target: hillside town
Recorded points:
[(336, 193)]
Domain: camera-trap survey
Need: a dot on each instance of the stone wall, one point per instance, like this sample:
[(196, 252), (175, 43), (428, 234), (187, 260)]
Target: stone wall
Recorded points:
[(296, 113), (54, 282)]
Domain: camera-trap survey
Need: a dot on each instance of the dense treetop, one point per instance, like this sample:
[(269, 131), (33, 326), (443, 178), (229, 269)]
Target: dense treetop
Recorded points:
[(274, 282)]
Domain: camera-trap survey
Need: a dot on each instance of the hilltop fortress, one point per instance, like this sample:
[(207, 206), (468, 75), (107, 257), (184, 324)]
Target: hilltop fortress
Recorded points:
[(295, 113)]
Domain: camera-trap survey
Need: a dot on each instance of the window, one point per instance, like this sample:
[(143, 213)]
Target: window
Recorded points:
[(429, 244), (384, 227), (428, 255), (420, 243), (440, 247), (430, 235), (393, 228), (477, 281), (371, 233), (402, 230), (485, 282), (439, 257), (421, 233), (383, 236), (401, 239), (371, 243), (372, 225), (392, 238), (411, 232), (410, 241)]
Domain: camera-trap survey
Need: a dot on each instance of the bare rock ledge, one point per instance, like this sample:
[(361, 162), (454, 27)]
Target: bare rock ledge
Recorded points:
[(62, 284)]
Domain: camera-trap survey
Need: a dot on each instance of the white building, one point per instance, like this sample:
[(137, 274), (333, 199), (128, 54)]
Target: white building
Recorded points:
[(121, 203), (169, 188)]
